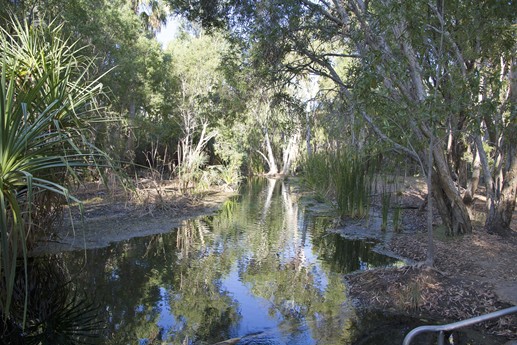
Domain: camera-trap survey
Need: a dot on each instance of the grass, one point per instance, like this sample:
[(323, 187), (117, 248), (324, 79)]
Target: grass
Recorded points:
[(345, 176), (352, 176), (385, 208), (316, 174)]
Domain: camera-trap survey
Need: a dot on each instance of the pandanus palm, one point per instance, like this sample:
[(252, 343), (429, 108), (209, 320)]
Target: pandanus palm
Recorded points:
[(47, 102)]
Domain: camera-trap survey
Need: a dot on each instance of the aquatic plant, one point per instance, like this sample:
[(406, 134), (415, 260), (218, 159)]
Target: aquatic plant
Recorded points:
[(351, 174), (316, 174), (345, 176), (385, 207), (229, 175)]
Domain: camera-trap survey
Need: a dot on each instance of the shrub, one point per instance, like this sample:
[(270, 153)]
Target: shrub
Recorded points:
[(47, 105)]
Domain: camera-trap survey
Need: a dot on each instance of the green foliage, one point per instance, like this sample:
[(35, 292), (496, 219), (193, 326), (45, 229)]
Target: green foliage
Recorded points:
[(316, 174), (47, 105), (200, 81), (352, 174), (229, 175), (119, 36)]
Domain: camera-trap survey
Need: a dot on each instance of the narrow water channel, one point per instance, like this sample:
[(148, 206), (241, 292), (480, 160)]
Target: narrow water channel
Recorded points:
[(263, 270)]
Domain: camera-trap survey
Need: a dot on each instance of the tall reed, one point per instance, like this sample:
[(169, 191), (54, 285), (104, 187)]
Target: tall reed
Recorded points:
[(385, 208), (351, 174), (316, 174), (345, 176)]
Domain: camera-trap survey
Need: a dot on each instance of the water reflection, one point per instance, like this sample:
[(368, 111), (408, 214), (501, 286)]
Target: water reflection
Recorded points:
[(262, 270), (57, 310)]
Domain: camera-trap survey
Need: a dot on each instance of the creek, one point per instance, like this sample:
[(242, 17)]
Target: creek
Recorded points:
[(263, 270)]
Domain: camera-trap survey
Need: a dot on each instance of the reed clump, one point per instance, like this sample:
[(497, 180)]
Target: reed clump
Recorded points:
[(345, 177)]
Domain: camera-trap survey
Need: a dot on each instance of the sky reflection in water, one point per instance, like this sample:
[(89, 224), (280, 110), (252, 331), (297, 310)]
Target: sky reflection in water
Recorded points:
[(262, 269)]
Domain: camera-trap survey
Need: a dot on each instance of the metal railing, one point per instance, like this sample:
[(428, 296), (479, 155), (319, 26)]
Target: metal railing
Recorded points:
[(456, 325)]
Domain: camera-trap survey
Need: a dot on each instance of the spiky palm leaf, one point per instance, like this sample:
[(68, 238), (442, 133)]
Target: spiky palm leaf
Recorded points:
[(46, 105)]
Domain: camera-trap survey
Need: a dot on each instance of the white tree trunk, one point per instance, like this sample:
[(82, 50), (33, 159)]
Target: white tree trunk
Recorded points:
[(273, 168), (290, 153)]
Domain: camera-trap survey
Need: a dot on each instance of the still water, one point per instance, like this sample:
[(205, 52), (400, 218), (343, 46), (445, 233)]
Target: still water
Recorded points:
[(263, 269)]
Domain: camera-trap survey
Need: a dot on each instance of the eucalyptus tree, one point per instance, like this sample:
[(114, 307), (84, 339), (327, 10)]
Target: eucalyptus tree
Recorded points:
[(153, 13), (273, 115), (418, 78), (199, 97)]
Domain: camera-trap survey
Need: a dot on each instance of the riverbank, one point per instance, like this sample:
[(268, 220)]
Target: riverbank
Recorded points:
[(473, 275), (113, 215)]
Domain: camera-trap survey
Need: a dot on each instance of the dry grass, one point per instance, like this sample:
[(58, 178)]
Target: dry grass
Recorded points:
[(146, 198)]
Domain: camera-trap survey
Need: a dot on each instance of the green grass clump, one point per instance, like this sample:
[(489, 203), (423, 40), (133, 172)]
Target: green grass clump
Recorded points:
[(345, 176), (316, 173), (352, 176)]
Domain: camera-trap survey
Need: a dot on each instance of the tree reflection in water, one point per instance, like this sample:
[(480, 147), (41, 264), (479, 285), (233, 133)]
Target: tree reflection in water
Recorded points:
[(261, 265), (56, 312)]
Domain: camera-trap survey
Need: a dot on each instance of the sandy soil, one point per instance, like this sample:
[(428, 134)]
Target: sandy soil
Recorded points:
[(108, 218)]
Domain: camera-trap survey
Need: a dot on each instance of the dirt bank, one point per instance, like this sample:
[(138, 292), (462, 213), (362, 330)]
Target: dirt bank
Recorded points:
[(473, 274), (109, 217)]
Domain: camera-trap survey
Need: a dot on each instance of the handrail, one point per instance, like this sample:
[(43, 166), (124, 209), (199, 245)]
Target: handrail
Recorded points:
[(456, 325)]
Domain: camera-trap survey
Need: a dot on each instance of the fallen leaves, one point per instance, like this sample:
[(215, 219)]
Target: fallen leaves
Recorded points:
[(472, 265)]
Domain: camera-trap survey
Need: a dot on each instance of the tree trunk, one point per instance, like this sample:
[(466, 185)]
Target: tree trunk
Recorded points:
[(430, 243), (273, 169), (501, 208), (289, 154), (308, 135), (453, 211), (130, 144), (472, 185), (501, 196), (500, 216), (455, 217)]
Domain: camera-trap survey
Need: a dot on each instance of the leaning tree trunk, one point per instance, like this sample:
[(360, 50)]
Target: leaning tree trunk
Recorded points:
[(289, 154), (449, 203), (273, 168), (308, 135)]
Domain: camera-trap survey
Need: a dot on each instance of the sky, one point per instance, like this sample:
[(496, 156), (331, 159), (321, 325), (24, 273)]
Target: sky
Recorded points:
[(169, 31)]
